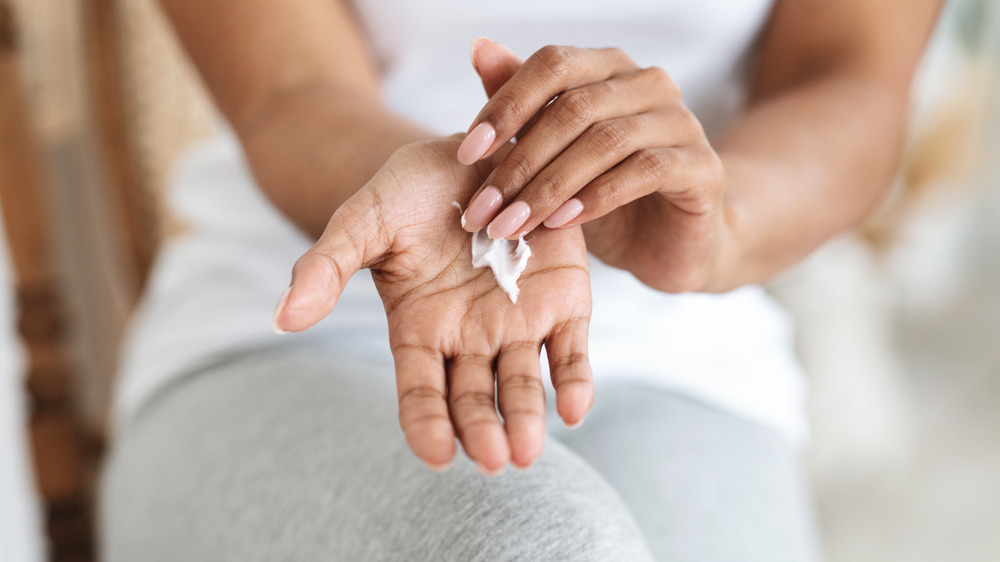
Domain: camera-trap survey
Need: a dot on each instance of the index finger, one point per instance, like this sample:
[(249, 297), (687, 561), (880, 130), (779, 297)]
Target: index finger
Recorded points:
[(547, 73)]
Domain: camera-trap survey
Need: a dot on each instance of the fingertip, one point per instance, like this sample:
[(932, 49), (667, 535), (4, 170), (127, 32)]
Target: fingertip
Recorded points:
[(526, 444), (476, 43), (434, 444), (476, 144), (508, 224), (278, 309), (497, 51), (573, 401), (564, 214), (487, 471), (301, 310), (313, 294), (487, 446), (482, 209), (439, 468)]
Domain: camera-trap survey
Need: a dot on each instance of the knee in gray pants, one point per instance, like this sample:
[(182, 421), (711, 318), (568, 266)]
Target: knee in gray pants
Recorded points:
[(301, 458)]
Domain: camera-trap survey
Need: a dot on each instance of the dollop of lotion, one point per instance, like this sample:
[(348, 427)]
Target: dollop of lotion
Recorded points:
[(507, 258)]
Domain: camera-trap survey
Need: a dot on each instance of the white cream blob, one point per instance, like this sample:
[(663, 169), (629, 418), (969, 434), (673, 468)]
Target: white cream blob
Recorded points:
[(507, 258)]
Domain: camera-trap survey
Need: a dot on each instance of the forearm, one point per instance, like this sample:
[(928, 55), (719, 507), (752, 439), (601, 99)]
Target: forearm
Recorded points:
[(311, 149), (295, 81), (815, 152), (802, 167)]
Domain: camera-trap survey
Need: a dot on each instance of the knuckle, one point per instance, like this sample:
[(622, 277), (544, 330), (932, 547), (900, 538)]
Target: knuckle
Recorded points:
[(703, 182), (660, 79), (515, 172), (556, 59), (611, 192), (550, 185), (422, 392), (520, 382), (618, 53), (712, 172), (522, 412), (573, 325), (574, 109), (653, 164), (689, 122), (421, 422), (611, 136), (471, 400), (522, 345), (567, 361), (317, 258), (464, 429), (507, 107)]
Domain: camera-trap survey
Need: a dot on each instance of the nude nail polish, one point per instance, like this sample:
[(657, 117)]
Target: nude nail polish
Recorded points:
[(509, 221), (482, 209), (282, 301), (476, 144), (565, 213)]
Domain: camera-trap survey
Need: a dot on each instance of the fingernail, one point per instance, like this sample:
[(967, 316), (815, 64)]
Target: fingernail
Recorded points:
[(487, 472), (472, 50), (578, 423), (509, 221), (482, 208), (525, 467), (439, 467), (277, 312), (476, 144), (565, 213)]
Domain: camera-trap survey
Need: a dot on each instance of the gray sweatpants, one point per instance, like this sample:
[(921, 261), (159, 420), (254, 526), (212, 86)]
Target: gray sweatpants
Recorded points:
[(297, 455)]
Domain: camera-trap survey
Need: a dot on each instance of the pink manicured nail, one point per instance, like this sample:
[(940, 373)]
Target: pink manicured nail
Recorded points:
[(476, 144), (482, 208), (277, 311), (565, 213), (509, 221)]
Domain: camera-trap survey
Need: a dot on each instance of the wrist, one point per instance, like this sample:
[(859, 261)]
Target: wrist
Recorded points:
[(724, 272)]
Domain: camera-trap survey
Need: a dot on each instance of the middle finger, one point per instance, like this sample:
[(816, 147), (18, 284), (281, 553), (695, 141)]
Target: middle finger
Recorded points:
[(472, 402)]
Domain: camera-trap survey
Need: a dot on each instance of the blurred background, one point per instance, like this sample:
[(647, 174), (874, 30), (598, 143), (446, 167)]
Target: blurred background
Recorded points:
[(899, 323)]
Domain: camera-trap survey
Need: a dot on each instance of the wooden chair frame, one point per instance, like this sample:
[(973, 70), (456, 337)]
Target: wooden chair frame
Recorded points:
[(66, 447)]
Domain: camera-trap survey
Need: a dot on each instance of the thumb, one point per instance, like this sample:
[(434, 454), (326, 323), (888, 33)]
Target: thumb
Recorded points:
[(348, 244), (494, 63)]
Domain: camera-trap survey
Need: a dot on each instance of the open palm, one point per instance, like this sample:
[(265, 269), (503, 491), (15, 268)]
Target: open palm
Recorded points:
[(462, 349)]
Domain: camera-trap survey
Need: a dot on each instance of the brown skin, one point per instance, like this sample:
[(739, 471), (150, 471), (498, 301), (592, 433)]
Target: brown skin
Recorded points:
[(451, 326), (811, 157)]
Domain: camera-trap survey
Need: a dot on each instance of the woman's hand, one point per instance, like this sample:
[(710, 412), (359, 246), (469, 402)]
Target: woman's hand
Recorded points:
[(596, 133), (450, 326)]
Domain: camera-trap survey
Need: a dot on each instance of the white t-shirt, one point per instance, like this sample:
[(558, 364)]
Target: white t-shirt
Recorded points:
[(214, 288), (20, 531)]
